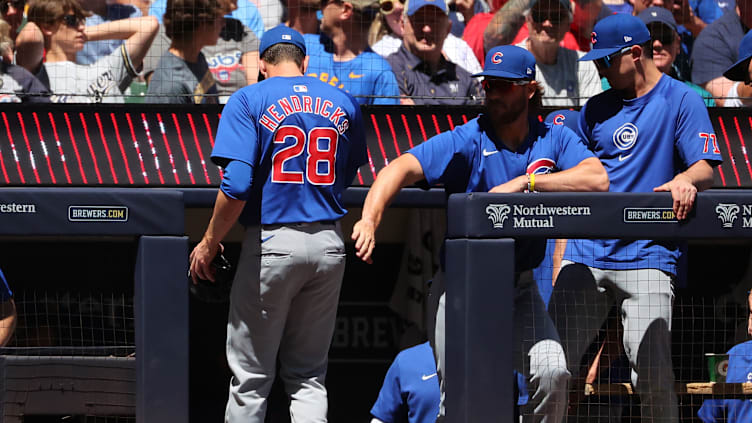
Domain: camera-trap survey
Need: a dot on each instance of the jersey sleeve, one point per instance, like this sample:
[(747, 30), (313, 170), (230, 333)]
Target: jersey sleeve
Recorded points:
[(119, 63), (358, 151), (390, 407), (695, 136), (237, 134), (443, 158), (572, 149)]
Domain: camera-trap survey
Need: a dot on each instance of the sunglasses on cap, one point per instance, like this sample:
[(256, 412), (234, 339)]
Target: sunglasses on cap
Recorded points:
[(554, 16), (386, 6), (606, 62), (503, 85), (662, 33), (6, 4), (73, 21)]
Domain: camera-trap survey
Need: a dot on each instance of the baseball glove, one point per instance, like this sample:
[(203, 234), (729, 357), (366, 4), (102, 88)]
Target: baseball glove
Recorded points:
[(219, 290)]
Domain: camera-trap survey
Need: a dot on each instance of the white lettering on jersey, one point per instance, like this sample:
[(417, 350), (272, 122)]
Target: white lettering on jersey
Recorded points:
[(625, 137)]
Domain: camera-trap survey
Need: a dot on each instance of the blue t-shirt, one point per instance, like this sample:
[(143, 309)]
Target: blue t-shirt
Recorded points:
[(304, 141), (471, 159), (410, 392), (368, 74), (5, 292), (643, 143), (739, 371), (247, 13)]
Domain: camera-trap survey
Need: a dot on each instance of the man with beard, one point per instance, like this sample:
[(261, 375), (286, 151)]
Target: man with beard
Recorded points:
[(500, 151), (566, 82)]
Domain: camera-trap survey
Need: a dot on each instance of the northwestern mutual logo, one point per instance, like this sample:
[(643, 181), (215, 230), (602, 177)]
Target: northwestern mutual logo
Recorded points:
[(727, 213), (538, 216), (497, 214)]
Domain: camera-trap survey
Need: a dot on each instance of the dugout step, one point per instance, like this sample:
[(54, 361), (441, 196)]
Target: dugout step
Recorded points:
[(64, 385)]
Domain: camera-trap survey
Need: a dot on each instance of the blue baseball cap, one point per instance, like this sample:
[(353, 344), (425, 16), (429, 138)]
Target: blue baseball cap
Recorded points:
[(564, 117), (658, 14), (510, 62), (281, 34), (615, 32), (414, 5), (739, 71)]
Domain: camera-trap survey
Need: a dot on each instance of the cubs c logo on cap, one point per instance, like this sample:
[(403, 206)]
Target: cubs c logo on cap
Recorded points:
[(559, 119), (496, 58), (593, 38)]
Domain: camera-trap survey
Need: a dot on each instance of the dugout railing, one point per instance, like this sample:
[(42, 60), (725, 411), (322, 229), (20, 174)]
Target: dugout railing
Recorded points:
[(155, 382), (480, 269)]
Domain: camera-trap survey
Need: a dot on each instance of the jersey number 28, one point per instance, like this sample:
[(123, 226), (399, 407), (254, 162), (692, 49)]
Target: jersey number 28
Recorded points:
[(316, 155)]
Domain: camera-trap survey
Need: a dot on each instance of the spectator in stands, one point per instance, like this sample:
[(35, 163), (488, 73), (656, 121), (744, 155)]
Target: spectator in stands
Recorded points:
[(62, 25), (385, 37), (506, 25), (13, 13), (101, 12), (566, 81), (739, 371), (420, 68), (301, 15), (716, 49), (246, 12), (667, 47), (183, 75), (462, 11), (341, 57), (234, 59), (710, 10), (16, 83), (8, 314)]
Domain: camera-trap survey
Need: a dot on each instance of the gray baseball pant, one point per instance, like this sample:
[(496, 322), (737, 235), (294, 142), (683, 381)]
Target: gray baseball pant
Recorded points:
[(580, 303), (283, 304), (538, 354)]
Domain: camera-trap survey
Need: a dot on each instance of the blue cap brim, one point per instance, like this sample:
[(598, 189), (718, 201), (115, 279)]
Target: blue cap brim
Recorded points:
[(739, 71), (500, 74), (599, 53)]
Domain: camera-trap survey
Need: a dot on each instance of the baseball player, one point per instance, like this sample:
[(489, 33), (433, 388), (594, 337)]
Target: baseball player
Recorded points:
[(652, 133), (289, 146), (739, 371), (504, 149), (7, 311)]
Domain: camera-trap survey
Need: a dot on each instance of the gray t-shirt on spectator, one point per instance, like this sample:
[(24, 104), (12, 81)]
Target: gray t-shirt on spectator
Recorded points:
[(569, 82), (101, 82), (717, 48), (224, 59), (181, 82)]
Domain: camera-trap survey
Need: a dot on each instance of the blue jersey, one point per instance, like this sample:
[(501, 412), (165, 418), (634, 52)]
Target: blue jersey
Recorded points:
[(471, 159), (5, 292), (739, 371), (304, 141), (368, 74), (410, 392), (643, 143)]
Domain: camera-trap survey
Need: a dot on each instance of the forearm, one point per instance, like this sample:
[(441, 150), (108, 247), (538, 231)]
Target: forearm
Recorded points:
[(226, 213), (589, 175), (700, 174), (505, 24), (401, 172), (121, 29)]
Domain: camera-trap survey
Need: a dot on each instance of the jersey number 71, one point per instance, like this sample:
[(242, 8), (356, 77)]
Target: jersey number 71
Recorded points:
[(282, 171)]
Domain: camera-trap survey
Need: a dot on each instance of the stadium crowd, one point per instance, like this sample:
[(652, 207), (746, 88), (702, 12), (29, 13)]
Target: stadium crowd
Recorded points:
[(380, 51)]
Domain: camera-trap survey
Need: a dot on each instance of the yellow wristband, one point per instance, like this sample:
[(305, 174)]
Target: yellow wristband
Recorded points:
[(531, 188)]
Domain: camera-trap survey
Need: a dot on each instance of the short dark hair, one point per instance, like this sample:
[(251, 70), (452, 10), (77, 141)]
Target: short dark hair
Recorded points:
[(49, 12), (647, 48), (182, 17), (282, 52)]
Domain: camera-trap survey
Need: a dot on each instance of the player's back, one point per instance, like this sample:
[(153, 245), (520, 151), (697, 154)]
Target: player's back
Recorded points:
[(304, 140)]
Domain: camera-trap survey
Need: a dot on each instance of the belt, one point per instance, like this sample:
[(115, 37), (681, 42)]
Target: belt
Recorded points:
[(303, 224)]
